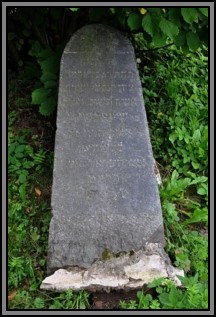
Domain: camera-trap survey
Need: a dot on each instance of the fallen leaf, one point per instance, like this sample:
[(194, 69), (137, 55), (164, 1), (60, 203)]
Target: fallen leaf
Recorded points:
[(99, 304), (12, 295), (38, 191)]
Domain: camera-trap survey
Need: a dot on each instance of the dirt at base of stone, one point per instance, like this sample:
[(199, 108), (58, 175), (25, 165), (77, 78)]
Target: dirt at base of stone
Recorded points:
[(111, 300)]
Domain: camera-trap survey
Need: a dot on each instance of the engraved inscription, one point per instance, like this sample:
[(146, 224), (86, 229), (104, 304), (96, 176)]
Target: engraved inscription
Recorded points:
[(136, 163)]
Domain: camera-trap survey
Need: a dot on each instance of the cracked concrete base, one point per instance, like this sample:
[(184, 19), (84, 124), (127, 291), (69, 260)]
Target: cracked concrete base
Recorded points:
[(124, 272)]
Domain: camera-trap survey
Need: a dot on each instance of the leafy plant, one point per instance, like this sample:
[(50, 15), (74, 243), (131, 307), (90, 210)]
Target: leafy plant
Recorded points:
[(192, 295), (49, 61), (21, 159)]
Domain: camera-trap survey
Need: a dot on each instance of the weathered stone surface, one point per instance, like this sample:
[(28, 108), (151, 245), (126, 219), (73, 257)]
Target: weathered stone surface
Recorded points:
[(123, 272), (105, 193)]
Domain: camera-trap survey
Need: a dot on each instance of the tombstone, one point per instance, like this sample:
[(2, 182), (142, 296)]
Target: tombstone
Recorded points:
[(105, 195)]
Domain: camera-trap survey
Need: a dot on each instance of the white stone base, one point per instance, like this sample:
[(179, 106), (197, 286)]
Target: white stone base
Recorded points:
[(123, 272)]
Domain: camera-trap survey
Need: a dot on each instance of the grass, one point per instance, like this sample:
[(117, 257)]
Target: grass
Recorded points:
[(176, 99)]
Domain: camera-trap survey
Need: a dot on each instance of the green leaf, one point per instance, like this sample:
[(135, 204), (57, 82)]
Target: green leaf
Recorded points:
[(201, 191), (159, 40), (199, 179), (50, 84), (168, 28), (149, 25), (180, 39), (204, 11), (39, 95), (11, 148), (164, 299), (156, 282), (19, 155), (48, 106), (51, 64), (199, 215), (39, 302), (22, 191), (134, 21), (195, 165), (28, 164), (20, 148), (74, 9), (174, 176), (190, 15), (48, 76), (174, 297), (196, 136), (172, 137), (22, 178), (175, 16), (192, 41)]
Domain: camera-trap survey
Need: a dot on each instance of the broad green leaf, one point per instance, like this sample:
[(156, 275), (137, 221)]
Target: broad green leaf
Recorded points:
[(196, 136), (28, 164), (51, 64), (199, 179), (202, 191), (39, 95), (48, 106), (134, 21), (192, 40), (185, 49), (159, 40), (204, 11), (19, 155), (20, 148), (45, 54), (180, 39), (175, 16), (195, 165), (190, 15), (174, 296), (198, 215), (22, 178), (168, 28), (11, 148), (164, 299), (148, 24), (47, 76), (22, 191), (50, 84), (174, 176), (172, 137)]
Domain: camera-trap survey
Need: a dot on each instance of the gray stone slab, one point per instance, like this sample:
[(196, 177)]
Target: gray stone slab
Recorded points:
[(104, 194)]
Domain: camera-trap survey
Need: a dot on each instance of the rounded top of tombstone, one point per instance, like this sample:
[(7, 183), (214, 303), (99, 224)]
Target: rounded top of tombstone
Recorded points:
[(95, 36)]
